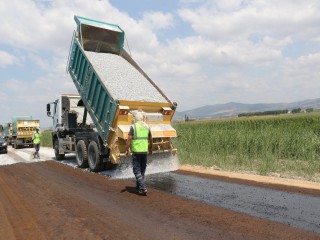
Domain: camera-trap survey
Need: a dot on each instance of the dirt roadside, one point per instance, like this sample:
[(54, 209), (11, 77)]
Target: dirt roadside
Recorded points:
[(48, 200)]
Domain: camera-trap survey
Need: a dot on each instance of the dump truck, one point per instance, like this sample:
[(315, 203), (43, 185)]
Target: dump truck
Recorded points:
[(22, 130), (7, 130), (112, 88)]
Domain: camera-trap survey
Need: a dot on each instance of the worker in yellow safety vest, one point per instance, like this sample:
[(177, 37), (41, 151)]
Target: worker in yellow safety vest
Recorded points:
[(36, 143), (140, 142)]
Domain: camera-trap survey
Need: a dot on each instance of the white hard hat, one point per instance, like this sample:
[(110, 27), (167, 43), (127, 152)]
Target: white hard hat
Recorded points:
[(138, 116)]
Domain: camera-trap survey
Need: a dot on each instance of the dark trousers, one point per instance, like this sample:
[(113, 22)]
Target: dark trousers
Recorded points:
[(139, 164), (37, 148)]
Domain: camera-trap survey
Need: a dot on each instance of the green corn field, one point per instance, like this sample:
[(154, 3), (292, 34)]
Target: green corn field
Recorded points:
[(287, 144), (46, 139)]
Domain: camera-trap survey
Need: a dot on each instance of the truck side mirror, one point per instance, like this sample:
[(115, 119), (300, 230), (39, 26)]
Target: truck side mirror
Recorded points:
[(48, 110)]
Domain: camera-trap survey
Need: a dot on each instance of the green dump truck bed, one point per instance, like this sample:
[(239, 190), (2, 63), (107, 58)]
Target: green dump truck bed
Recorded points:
[(105, 74)]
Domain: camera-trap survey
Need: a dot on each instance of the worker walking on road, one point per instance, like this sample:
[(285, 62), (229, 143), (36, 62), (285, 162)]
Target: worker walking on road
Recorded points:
[(139, 140), (36, 142)]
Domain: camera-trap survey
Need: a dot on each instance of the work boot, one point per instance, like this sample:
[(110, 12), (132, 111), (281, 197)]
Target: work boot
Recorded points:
[(142, 192)]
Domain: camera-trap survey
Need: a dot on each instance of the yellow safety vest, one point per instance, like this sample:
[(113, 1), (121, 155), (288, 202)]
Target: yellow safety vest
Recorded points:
[(139, 143), (36, 138)]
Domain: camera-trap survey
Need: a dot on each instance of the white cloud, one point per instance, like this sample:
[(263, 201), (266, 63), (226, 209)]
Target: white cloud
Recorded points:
[(278, 18), (157, 20), (44, 37), (20, 97), (50, 26), (236, 51), (14, 85), (303, 71), (40, 61), (203, 50), (230, 5), (7, 59)]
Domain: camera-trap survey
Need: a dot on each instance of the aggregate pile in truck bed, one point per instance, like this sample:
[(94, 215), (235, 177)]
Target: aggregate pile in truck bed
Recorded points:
[(122, 80)]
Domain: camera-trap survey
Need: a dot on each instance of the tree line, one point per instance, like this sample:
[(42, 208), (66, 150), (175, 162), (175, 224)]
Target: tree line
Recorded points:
[(274, 112)]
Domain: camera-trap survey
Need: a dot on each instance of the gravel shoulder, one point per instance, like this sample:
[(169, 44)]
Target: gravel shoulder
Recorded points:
[(285, 184)]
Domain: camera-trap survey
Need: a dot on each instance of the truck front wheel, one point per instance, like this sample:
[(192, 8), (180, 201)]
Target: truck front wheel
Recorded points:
[(82, 154), (59, 156), (94, 159)]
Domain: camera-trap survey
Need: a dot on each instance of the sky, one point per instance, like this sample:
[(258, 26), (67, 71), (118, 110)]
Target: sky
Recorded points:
[(199, 52)]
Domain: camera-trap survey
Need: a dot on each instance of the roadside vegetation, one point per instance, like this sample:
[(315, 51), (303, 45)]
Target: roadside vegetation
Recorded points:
[(46, 139), (285, 145)]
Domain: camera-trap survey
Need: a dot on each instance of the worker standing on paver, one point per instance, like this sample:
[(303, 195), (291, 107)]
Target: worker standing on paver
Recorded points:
[(36, 143), (140, 141)]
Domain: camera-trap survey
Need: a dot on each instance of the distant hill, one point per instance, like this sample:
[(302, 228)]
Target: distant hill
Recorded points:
[(232, 109)]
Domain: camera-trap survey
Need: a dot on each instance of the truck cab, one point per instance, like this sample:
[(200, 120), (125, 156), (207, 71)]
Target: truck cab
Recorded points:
[(67, 113), (73, 128)]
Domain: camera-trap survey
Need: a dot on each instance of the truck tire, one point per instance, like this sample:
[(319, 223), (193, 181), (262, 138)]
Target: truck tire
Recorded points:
[(94, 159), (59, 156), (82, 154)]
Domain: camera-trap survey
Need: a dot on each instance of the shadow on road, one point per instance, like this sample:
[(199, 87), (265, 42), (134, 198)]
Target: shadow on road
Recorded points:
[(132, 190)]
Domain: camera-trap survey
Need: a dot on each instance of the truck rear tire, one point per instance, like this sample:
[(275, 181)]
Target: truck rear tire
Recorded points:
[(94, 159), (59, 156), (82, 154)]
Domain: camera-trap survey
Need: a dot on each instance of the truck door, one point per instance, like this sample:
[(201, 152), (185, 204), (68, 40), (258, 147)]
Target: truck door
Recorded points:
[(56, 114)]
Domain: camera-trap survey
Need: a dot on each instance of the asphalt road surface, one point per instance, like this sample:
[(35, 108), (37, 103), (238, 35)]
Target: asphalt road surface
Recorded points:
[(45, 199)]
